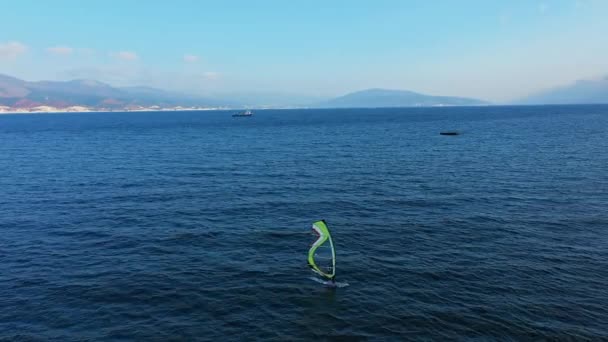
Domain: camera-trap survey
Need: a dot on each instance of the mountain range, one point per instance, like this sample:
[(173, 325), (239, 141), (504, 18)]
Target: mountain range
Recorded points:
[(17, 93), (396, 98), (580, 92), (23, 94)]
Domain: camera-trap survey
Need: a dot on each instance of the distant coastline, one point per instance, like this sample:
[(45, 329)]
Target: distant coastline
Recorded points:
[(83, 109)]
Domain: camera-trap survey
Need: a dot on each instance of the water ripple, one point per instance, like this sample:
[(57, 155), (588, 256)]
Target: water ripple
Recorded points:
[(194, 226)]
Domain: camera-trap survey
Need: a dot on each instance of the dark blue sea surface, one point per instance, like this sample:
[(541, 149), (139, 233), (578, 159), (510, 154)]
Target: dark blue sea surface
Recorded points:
[(196, 225)]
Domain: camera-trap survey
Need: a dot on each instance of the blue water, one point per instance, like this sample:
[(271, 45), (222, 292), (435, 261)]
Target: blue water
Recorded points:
[(195, 225)]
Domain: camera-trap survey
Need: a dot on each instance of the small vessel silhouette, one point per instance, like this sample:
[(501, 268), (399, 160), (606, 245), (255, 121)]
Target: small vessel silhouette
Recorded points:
[(247, 113)]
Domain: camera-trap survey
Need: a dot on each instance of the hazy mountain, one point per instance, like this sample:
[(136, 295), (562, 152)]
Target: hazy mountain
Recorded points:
[(580, 92), (264, 99), (396, 98), (18, 93), (11, 87), (169, 98)]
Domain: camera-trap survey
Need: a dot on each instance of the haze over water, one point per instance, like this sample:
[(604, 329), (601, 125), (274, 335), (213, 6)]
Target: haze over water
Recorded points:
[(195, 225)]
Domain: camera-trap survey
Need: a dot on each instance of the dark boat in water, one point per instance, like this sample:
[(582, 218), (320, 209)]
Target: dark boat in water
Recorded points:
[(247, 113), (449, 133)]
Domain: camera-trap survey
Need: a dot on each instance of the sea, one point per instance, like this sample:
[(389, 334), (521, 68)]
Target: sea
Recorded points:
[(175, 226)]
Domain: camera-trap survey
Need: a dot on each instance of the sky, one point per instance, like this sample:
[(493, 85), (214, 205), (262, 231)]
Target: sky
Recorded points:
[(497, 50)]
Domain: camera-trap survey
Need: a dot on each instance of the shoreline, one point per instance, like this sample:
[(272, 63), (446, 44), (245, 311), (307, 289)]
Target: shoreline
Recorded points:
[(152, 110), (23, 112)]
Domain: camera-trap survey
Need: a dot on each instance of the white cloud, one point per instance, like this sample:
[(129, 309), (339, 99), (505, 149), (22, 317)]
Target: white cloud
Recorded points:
[(125, 55), (60, 50), (12, 50), (191, 58), (211, 75)]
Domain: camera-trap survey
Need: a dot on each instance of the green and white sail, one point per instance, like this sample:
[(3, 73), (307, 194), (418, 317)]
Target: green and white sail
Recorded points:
[(322, 256)]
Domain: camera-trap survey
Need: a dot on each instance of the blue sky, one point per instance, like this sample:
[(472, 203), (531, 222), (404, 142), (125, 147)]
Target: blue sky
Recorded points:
[(495, 50)]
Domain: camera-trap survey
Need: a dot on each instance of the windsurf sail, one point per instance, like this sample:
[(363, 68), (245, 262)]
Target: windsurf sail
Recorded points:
[(322, 256)]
